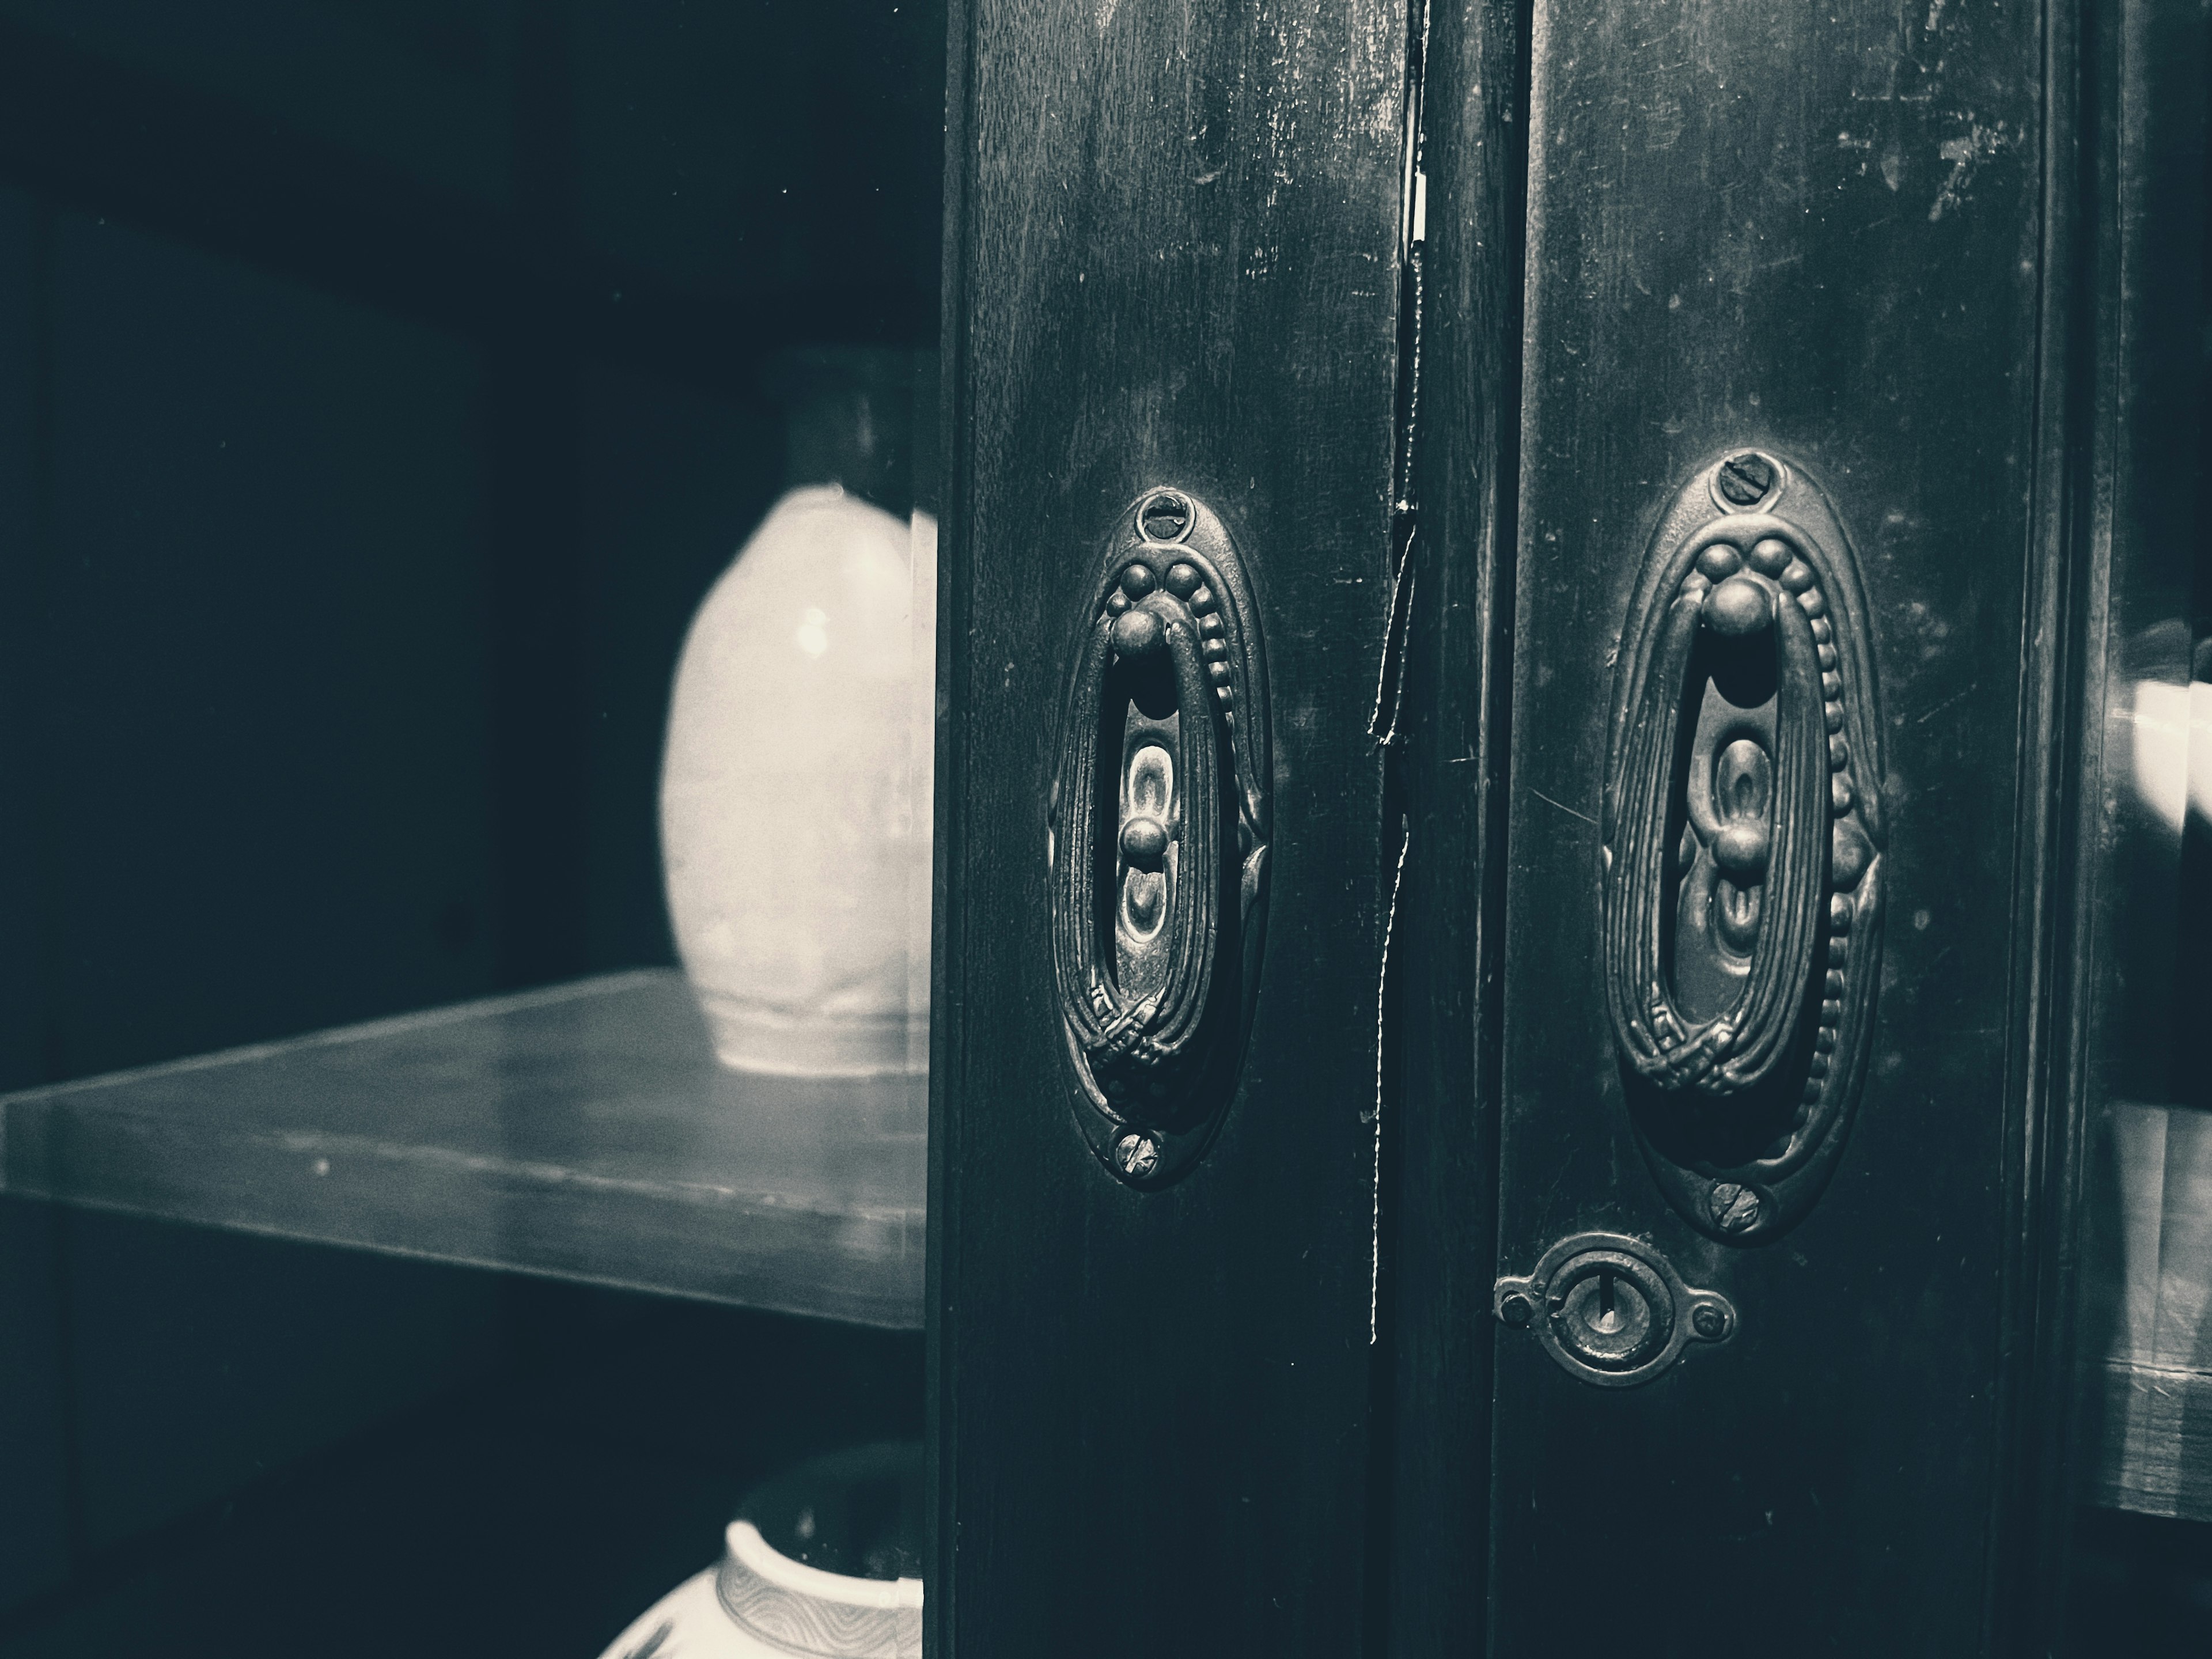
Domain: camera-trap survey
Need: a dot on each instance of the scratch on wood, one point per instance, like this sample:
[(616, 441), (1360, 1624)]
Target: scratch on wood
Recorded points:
[(1965, 155), (1382, 997), (1563, 807), (1955, 697)]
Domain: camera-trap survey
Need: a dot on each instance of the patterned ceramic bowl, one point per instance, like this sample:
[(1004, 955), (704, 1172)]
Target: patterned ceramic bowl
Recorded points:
[(824, 1561)]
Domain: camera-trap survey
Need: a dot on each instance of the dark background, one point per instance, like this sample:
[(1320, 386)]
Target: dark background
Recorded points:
[(382, 384)]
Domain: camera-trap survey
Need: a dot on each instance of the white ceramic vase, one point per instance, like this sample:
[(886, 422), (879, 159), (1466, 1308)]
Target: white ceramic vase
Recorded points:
[(795, 789)]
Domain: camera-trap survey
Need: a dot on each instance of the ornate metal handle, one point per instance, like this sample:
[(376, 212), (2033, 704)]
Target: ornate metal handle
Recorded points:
[(1742, 827), (1158, 839)]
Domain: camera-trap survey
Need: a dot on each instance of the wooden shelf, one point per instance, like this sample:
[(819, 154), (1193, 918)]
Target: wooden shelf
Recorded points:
[(584, 1132)]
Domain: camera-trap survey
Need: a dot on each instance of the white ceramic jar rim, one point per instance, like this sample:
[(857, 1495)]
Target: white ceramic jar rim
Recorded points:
[(804, 1610)]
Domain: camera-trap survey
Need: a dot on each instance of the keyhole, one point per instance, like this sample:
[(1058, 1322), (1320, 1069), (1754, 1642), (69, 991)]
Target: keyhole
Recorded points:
[(1606, 1317), (1605, 1313)]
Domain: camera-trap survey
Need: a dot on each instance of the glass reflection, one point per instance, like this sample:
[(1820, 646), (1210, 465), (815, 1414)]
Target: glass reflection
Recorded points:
[(2142, 1572)]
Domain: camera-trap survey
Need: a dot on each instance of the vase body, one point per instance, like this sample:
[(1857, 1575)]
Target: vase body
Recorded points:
[(795, 827)]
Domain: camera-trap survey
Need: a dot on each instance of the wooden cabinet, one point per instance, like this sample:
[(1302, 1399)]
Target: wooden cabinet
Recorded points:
[(1658, 1200)]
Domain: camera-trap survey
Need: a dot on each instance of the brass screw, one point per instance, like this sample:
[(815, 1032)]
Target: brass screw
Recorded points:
[(1709, 1322), (1165, 517), (1746, 478), (1734, 1208), (1516, 1309), (1138, 1156)]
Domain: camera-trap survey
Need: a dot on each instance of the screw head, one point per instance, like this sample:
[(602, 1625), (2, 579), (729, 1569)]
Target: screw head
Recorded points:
[(1744, 480), (1709, 1322), (1734, 1208), (1165, 517), (1137, 1155), (1517, 1309)]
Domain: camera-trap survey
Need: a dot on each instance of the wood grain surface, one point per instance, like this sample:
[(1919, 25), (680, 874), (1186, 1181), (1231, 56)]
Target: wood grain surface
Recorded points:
[(1440, 1128), (1174, 259), (1816, 231)]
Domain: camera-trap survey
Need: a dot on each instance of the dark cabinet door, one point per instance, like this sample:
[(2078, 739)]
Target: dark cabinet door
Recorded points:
[(1175, 246), (1768, 1092), (1648, 1231)]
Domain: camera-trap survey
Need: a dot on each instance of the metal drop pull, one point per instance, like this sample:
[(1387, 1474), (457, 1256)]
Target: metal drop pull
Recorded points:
[(1158, 843), (1741, 931)]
